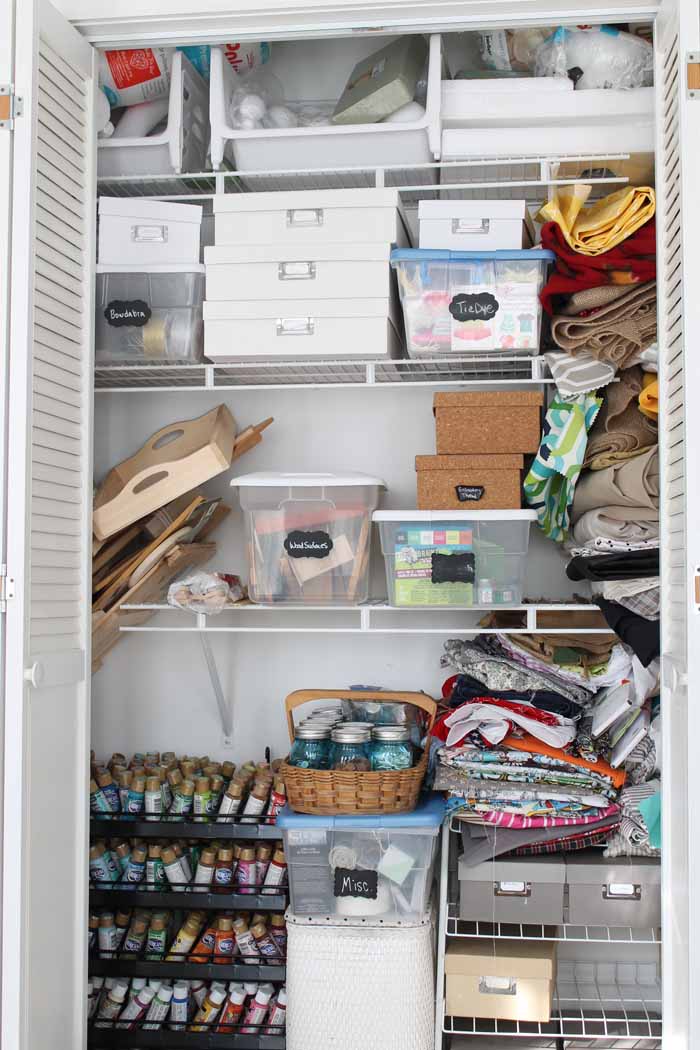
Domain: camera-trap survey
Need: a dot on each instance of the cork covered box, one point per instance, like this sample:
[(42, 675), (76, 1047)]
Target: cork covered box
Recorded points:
[(488, 422), (481, 482)]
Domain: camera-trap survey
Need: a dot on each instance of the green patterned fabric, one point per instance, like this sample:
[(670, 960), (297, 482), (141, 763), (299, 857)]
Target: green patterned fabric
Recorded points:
[(549, 487)]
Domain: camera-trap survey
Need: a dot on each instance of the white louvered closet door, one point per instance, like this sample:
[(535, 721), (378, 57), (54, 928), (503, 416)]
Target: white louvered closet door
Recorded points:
[(49, 494), (678, 236)]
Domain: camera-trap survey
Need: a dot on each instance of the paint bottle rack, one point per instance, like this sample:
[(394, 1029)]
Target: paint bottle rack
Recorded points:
[(137, 1037), (112, 825)]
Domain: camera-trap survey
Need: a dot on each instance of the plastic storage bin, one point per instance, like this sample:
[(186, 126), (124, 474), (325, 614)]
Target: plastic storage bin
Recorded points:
[(308, 536), (462, 558), (471, 302), (325, 146), (180, 146), (517, 890), (474, 226), (142, 233), (152, 315), (625, 892), (377, 868)]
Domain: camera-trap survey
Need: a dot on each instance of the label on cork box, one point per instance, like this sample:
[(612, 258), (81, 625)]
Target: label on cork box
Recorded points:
[(414, 567)]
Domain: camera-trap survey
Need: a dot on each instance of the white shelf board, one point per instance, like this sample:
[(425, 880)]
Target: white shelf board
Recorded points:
[(372, 618), (477, 370), (566, 933)]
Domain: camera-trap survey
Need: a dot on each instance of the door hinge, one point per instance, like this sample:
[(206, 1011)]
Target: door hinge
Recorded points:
[(11, 107), (692, 74), (7, 588)]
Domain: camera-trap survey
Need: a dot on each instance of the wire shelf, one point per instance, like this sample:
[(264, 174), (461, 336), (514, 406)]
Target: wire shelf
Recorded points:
[(257, 375), (623, 1013), (568, 933)]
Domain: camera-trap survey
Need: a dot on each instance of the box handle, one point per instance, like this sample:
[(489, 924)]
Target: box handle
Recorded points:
[(295, 326), (296, 271), (304, 216), (149, 234), (481, 226), (622, 891), (498, 985), (512, 889)]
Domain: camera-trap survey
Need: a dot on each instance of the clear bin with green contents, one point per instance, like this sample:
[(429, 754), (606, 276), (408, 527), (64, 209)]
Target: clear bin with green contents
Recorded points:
[(441, 559)]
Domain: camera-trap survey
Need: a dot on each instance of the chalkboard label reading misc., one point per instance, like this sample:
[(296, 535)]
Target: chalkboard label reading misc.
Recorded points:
[(308, 544), (121, 313), (469, 493), (481, 306), (355, 882)]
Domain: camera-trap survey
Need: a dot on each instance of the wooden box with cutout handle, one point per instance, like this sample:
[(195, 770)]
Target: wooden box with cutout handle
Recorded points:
[(335, 792)]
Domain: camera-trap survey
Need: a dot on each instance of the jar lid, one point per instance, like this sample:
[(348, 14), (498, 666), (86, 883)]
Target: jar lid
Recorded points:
[(312, 732), (350, 733), (387, 733)]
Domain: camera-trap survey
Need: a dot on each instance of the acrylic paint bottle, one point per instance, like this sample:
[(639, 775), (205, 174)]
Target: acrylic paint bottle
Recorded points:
[(137, 1008), (264, 942), (121, 922), (257, 1010), (223, 870), (179, 1006), (153, 798), (98, 800), (136, 868), (184, 860), (107, 936), (198, 992), (204, 948), (174, 870), (204, 873), (124, 780), (110, 790), (122, 853), (159, 1008), (157, 939), (102, 866), (278, 932), (155, 869), (224, 940), (263, 855), (230, 802), (276, 876), (245, 942), (216, 792), (277, 1015), (183, 798), (201, 799), (232, 1013), (187, 935), (278, 797), (209, 1010), (112, 1003), (246, 871), (93, 930), (136, 935), (256, 802)]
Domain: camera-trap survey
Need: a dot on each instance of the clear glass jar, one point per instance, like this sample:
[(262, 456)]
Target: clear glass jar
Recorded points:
[(350, 748), (311, 747), (391, 748)]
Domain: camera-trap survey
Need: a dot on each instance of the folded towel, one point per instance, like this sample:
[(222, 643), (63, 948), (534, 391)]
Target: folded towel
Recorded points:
[(610, 323), (620, 431), (628, 491), (598, 523), (632, 262), (605, 224)]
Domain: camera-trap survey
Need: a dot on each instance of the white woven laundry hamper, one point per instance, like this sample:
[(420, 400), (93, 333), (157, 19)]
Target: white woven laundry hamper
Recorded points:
[(352, 987)]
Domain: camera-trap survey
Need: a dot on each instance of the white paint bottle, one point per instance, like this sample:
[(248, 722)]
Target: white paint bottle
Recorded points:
[(112, 1003), (159, 1008), (153, 798), (107, 936), (136, 1008), (179, 1006)]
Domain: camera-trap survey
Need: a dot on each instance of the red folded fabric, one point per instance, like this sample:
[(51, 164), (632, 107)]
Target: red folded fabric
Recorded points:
[(440, 730), (632, 262)]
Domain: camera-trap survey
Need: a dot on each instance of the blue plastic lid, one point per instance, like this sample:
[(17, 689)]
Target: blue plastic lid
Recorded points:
[(428, 814), (443, 255)]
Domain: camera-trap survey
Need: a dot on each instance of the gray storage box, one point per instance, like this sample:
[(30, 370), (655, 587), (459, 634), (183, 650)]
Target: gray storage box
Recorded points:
[(624, 892), (516, 889)]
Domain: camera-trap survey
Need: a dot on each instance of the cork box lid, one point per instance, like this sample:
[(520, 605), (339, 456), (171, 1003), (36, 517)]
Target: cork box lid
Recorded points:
[(503, 461), (488, 399)]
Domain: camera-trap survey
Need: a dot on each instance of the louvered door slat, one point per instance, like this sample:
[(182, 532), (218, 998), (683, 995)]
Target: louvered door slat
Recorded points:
[(72, 102), (53, 296), (55, 349), (60, 276), (45, 235), (55, 391)]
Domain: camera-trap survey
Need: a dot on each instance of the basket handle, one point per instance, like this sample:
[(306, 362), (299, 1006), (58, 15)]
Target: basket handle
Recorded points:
[(303, 696)]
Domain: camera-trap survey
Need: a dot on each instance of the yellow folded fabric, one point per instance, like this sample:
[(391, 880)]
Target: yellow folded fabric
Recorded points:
[(603, 225), (649, 397)]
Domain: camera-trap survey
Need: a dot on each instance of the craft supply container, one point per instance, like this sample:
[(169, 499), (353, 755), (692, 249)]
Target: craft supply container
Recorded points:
[(487, 422), (144, 233), (481, 481), (466, 303), (308, 536), (390, 856), (147, 315), (463, 558), (517, 890)]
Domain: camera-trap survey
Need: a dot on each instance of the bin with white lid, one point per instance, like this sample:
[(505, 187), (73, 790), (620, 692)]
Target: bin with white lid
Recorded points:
[(308, 536), (471, 302), (455, 558)]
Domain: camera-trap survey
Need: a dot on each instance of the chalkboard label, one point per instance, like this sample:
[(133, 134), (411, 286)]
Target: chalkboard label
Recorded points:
[(127, 312), (469, 493), (355, 882), (308, 545), (481, 306), (452, 568)]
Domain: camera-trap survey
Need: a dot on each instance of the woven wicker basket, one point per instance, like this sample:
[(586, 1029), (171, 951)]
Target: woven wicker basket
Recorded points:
[(326, 793)]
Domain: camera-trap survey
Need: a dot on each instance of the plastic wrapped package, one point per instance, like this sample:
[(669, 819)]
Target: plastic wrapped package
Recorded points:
[(597, 57), (205, 592), (512, 50), (256, 96)]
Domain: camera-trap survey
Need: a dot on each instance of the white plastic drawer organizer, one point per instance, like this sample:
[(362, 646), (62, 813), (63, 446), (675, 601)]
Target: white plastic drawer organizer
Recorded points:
[(180, 146), (324, 146), (308, 536), (455, 558), (471, 302)]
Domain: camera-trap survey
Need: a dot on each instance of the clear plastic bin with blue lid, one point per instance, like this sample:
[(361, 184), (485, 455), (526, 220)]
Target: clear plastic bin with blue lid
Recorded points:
[(442, 558), (363, 867), (462, 303)]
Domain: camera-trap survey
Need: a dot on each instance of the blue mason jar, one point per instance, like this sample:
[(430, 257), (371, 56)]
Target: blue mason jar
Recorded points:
[(391, 748), (311, 747), (350, 747)]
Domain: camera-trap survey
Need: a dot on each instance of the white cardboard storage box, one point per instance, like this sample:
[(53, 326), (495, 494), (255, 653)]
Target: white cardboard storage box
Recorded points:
[(142, 233), (472, 226), (310, 217), (274, 271), (504, 980), (320, 329)]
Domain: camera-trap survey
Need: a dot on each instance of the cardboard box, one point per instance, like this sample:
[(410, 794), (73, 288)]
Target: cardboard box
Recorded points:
[(470, 482), (502, 980), (488, 421)]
